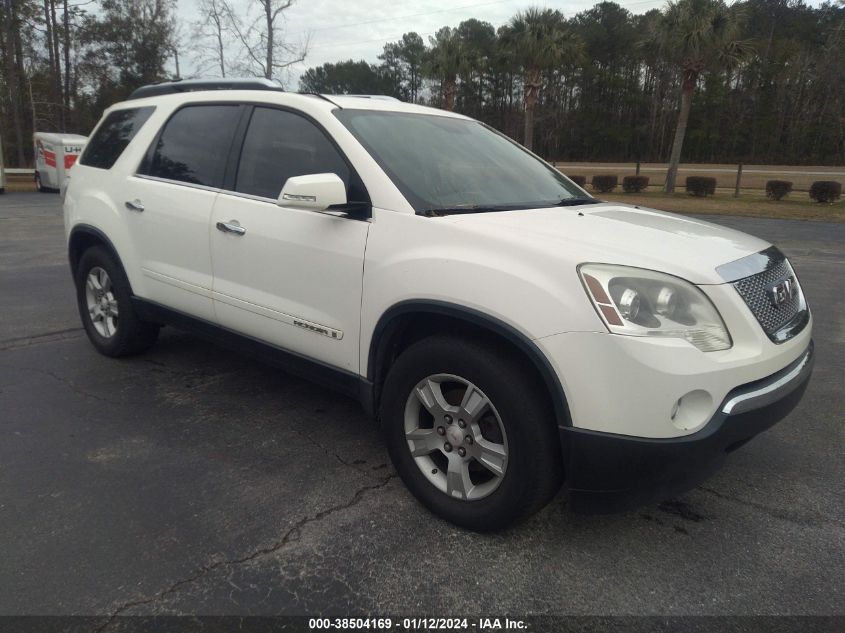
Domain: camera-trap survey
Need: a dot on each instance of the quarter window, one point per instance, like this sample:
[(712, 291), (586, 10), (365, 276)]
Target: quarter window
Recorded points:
[(194, 145), (281, 144), (113, 135)]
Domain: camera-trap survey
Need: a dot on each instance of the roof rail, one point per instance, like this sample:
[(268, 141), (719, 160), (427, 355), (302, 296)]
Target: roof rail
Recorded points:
[(330, 97), (194, 85), (318, 95), (378, 97)]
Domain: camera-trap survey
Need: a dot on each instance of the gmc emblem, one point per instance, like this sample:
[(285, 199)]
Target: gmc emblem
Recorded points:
[(782, 291)]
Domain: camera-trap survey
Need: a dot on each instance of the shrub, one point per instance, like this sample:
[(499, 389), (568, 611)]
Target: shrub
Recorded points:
[(777, 189), (825, 191), (581, 181), (605, 183), (634, 184), (701, 185)]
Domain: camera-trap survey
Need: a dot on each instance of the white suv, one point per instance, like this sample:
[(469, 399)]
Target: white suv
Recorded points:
[(508, 331)]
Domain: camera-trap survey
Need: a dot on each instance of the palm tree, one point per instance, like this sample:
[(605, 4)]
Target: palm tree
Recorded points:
[(697, 36), (538, 41), (445, 60)]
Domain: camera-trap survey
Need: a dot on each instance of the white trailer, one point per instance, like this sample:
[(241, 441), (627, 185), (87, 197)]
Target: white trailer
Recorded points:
[(55, 154)]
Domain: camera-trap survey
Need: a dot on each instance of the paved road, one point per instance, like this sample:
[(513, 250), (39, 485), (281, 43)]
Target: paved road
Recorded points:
[(190, 480)]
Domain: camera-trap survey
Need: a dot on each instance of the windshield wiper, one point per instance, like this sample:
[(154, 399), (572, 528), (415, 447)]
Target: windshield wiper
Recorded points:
[(574, 202), (476, 208)]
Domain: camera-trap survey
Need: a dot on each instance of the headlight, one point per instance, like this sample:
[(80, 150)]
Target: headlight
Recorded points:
[(640, 302)]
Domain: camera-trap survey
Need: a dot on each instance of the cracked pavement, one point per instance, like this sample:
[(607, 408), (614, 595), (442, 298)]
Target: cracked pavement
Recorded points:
[(190, 480)]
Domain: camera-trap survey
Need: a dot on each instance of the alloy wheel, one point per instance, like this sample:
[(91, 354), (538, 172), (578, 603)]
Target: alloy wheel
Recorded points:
[(456, 437), (101, 302)]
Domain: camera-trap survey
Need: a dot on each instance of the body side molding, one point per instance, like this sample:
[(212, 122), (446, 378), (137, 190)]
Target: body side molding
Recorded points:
[(340, 380)]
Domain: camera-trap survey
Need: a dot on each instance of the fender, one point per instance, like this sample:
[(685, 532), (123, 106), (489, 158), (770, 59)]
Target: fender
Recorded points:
[(480, 319), (87, 229)]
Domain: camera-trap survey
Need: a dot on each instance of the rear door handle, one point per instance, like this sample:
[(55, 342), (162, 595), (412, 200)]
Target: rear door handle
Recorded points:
[(134, 205), (232, 226)]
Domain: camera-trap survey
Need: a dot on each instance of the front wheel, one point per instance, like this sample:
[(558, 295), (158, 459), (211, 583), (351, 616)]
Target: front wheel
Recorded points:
[(471, 435)]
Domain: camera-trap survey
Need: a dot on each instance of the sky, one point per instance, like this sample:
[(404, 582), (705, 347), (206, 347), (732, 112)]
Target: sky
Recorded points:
[(359, 29)]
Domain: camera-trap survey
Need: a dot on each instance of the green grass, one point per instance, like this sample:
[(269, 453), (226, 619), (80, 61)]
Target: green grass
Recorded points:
[(751, 203)]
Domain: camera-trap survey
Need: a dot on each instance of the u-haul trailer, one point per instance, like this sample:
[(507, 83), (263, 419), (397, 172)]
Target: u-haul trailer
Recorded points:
[(55, 154)]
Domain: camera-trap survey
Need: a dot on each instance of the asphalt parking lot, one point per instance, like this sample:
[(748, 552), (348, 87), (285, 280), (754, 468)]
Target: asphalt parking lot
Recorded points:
[(192, 480)]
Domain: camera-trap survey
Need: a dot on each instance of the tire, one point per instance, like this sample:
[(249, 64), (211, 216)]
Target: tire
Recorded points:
[(122, 334), (526, 437), (39, 186)]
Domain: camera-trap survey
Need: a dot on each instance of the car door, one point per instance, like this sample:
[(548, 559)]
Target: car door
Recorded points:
[(169, 202), (289, 277)]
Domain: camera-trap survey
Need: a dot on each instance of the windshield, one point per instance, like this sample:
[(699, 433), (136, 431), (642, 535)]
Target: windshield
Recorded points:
[(446, 164)]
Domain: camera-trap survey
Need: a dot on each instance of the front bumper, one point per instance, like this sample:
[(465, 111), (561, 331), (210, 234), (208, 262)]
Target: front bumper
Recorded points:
[(607, 472)]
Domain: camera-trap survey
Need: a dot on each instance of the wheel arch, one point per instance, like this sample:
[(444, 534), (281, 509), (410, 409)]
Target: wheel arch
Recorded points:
[(393, 333), (84, 236)]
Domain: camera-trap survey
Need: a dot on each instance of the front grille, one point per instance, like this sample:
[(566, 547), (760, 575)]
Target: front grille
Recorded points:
[(780, 322)]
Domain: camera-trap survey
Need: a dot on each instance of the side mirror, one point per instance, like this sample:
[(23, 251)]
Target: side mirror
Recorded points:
[(317, 192)]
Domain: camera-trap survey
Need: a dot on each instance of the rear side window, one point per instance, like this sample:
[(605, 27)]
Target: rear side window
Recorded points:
[(193, 145), (281, 144), (113, 135)]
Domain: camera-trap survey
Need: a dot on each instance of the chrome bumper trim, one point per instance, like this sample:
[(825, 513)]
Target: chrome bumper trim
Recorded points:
[(781, 385)]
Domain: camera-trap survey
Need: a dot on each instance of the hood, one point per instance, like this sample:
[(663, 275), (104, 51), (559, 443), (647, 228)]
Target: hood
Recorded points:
[(621, 234)]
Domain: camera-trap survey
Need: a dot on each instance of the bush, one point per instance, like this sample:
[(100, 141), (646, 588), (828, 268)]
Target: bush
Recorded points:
[(634, 184), (825, 191), (581, 181), (605, 183), (701, 185), (777, 189)]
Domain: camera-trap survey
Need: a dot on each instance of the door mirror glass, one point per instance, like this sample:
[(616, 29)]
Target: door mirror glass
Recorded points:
[(317, 192)]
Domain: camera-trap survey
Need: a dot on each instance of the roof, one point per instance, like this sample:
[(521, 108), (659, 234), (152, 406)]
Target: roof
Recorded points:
[(263, 90), (61, 138), (385, 104), (195, 85)]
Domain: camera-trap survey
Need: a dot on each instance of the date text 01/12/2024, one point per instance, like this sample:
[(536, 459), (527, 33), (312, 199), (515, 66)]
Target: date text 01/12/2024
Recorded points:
[(417, 624)]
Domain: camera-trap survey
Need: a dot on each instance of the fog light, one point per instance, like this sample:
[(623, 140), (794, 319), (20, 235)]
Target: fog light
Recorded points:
[(692, 410)]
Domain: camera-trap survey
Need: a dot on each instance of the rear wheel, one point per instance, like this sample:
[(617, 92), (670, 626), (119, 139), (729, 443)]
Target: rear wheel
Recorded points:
[(104, 299), (470, 433), (38, 186)]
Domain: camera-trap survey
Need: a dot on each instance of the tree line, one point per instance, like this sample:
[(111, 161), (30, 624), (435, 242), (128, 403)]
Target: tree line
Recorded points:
[(65, 61), (759, 81), (699, 80)]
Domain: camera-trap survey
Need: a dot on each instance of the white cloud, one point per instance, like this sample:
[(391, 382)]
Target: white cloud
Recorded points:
[(343, 29)]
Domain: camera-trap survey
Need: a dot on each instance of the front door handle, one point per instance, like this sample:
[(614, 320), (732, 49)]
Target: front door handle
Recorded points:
[(232, 226), (134, 205)]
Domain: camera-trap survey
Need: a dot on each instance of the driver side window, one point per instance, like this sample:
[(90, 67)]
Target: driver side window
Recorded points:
[(279, 145)]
